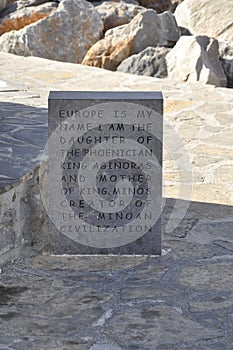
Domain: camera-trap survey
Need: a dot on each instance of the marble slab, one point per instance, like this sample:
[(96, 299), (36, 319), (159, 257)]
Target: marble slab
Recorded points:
[(105, 172)]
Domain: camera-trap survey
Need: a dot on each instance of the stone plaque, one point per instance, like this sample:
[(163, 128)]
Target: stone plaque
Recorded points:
[(105, 172)]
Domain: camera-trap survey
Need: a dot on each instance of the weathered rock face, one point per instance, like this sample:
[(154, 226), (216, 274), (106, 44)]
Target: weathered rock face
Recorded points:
[(108, 53), (133, 2), (170, 32), (196, 59), (150, 62), (226, 58), (65, 35), (121, 42), (22, 16), (22, 217), (2, 4), (116, 14), (144, 29), (158, 5), (207, 17), (174, 4)]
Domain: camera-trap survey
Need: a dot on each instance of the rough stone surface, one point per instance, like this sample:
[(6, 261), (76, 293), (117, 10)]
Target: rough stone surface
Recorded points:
[(144, 30), (23, 16), (196, 59), (170, 33), (209, 277), (10, 2), (133, 2), (62, 36), (108, 53), (158, 5), (150, 62), (115, 14), (174, 4), (206, 17), (226, 58), (21, 217), (2, 4), (24, 131), (88, 263), (123, 41), (156, 326)]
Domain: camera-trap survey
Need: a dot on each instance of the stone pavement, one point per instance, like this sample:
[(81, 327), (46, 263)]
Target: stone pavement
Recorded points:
[(182, 300), (198, 119)]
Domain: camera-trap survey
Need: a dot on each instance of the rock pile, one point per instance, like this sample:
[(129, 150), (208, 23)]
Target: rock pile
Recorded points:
[(188, 40), (62, 34), (196, 59)]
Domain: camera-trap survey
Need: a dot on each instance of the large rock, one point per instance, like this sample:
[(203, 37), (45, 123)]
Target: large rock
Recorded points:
[(2, 4), (22, 16), (121, 42), (196, 59), (174, 4), (150, 62), (65, 35), (170, 32), (207, 17), (150, 29), (116, 14), (226, 58), (144, 29), (108, 53), (158, 5)]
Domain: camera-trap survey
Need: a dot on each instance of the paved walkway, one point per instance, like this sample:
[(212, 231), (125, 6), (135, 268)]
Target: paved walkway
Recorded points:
[(182, 300), (200, 119)]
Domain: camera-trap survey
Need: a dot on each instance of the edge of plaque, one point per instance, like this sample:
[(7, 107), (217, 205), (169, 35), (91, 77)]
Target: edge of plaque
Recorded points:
[(105, 95)]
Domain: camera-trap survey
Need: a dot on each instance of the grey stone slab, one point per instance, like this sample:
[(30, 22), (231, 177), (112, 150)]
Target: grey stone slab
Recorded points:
[(155, 327), (105, 172), (224, 244), (147, 275), (216, 303), (105, 346), (23, 136), (86, 263), (211, 277), (207, 232)]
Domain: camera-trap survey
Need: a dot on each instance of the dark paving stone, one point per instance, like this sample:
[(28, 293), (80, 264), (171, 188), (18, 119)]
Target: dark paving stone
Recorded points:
[(23, 136)]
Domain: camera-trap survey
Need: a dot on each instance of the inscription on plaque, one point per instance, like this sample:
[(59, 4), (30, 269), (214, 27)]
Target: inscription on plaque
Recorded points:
[(105, 171)]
